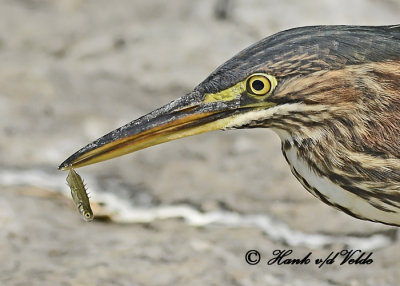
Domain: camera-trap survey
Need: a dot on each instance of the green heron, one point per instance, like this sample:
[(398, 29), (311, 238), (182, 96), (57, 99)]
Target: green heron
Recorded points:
[(331, 93)]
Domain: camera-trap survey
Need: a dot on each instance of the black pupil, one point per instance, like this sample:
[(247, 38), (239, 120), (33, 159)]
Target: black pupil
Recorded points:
[(258, 85)]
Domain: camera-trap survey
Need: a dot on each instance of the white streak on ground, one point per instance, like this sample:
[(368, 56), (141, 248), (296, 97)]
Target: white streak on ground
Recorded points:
[(123, 211)]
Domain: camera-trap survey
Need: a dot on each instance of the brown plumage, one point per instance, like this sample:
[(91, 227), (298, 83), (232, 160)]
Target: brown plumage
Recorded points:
[(349, 132)]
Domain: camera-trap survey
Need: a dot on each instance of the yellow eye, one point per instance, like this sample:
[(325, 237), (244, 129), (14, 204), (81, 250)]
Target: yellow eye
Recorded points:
[(259, 84)]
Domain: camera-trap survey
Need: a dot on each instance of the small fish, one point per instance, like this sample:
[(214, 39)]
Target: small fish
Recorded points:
[(79, 195)]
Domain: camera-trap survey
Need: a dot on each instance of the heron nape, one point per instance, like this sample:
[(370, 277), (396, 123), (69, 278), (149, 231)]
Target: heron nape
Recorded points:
[(331, 93)]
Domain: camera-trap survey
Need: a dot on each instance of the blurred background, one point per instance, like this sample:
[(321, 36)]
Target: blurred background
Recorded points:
[(182, 213)]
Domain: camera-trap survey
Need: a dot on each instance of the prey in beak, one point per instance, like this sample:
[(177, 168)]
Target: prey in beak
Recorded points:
[(192, 114)]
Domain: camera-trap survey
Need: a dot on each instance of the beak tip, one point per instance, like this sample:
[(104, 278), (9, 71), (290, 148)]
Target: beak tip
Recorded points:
[(63, 166)]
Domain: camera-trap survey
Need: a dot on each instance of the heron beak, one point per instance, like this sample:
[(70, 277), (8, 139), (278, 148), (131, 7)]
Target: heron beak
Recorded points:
[(186, 116)]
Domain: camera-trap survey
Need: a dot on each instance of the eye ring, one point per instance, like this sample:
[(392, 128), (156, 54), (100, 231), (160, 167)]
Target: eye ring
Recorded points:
[(259, 84)]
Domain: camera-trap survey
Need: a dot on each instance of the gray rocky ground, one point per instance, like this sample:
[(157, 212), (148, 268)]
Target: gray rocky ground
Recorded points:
[(72, 70)]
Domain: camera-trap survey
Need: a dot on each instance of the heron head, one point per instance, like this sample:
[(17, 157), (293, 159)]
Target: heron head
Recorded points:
[(285, 81)]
